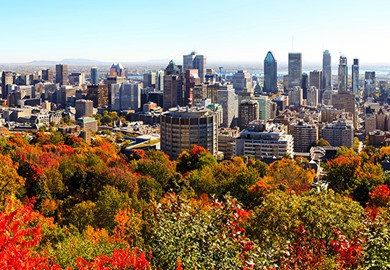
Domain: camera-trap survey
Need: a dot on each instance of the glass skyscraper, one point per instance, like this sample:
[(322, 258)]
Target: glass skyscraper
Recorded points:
[(94, 75), (343, 74), (326, 71), (294, 70), (355, 75), (270, 73)]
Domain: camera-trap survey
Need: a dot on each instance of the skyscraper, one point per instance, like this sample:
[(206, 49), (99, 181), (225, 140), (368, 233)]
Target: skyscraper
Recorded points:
[(62, 74), (305, 84), (343, 74), (7, 79), (355, 75), (84, 108), (195, 61), (242, 81), (326, 71), (315, 79), (294, 70), (173, 86), (270, 73), (47, 75), (248, 111), (94, 75)]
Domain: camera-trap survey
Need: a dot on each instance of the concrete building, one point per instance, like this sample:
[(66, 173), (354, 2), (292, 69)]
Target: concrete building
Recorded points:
[(265, 107), (312, 97), (242, 82), (62, 74), (173, 86), (195, 61), (98, 93), (295, 96), (227, 97), (47, 75), (87, 123), (262, 140), (227, 140), (182, 128), (338, 133), (130, 96), (315, 79), (305, 135), (84, 108), (248, 111)]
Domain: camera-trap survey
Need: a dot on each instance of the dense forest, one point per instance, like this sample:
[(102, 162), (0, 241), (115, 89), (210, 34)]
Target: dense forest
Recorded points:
[(69, 205)]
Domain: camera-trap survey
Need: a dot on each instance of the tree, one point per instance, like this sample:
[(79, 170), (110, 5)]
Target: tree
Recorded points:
[(196, 158), (322, 142), (10, 180)]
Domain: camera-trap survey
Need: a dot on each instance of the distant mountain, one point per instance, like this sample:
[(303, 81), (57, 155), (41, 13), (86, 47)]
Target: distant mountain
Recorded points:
[(69, 61)]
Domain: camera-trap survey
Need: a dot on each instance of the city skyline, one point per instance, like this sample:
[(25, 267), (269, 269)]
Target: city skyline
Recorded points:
[(132, 31)]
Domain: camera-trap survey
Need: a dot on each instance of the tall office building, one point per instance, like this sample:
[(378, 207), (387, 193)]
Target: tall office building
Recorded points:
[(295, 97), (183, 127), (229, 101), (130, 96), (98, 93), (355, 75), (191, 79), (195, 61), (294, 70), (315, 79), (343, 74), (305, 85), (7, 80), (369, 83), (242, 81), (326, 71), (117, 70), (47, 75), (84, 108), (62, 74), (248, 111), (264, 107), (94, 75), (270, 74), (173, 86), (312, 97), (150, 79)]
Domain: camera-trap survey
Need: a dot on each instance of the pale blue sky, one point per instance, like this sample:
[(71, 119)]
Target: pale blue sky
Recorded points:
[(244, 30)]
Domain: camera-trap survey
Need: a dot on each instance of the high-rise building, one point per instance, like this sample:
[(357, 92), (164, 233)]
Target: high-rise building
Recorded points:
[(262, 140), (191, 79), (84, 108), (183, 127), (229, 101), (315, 80), (47, 75), (312, 97), (338, 133), (242, 81), (7, 79), (270, 74), (294, 70), (76, 78), (94, 75), (117, 70), (295, 97), (355, 75), (98, 93), (264, 107), (62, 74), (343, 74), (195, 61), (130, 96), (305, 85), (369, 83), (305, 135), (173, 86), (326, 71), (114, 95), (150, 79), (248, 111)]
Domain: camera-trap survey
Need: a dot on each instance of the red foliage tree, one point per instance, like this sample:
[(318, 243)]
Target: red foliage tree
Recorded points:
[(380, 196)]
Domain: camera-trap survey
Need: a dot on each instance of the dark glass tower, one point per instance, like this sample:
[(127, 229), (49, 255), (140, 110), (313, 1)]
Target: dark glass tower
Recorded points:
[(94, 75), (326, 71), (294, 69), (270, 73), (343, 74), (355, 75)]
